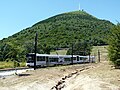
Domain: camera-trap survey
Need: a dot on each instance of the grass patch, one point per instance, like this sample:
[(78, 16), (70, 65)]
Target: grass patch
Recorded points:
[(10, 64), (60, 52), (103, 52), (102, 49)]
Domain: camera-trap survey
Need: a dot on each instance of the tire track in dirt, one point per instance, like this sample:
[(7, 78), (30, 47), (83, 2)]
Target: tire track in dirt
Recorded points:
[(62, 83)]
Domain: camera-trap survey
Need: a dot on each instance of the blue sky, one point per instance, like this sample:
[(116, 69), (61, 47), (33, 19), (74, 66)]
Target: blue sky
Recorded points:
[(16, 15)]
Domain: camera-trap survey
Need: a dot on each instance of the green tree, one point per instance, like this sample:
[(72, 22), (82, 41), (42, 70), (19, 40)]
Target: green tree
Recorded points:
[(114, 45), (4, 50)]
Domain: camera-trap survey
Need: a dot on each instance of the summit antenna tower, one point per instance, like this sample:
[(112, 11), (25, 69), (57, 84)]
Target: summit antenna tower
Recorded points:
[(79, 6)]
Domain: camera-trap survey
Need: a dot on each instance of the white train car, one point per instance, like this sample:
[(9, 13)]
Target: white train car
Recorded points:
[(51, 60)]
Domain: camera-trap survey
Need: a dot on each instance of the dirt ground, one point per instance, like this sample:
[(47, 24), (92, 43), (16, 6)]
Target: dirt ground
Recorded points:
[(93, 76)]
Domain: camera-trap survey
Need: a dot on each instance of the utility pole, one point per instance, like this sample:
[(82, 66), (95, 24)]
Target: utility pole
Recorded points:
[(89, 57), (35, 50), (72, 55)]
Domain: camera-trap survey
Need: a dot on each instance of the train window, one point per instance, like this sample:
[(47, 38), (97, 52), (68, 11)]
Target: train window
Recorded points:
[(83, 58), (30, 58), (53, 59), (30, 61), (67, 59), (41, 58), (74, 58)]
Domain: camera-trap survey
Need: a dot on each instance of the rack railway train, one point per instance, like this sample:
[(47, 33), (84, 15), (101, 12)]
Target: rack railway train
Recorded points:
[(51, 60)]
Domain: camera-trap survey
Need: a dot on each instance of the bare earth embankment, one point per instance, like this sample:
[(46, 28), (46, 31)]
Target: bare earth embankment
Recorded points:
[(100, 76)]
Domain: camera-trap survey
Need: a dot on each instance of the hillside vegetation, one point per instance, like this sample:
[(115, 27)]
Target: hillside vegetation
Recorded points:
[(59, 31), (114, 45)]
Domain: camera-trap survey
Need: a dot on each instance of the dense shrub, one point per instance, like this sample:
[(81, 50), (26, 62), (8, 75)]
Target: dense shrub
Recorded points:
[(114, 45)]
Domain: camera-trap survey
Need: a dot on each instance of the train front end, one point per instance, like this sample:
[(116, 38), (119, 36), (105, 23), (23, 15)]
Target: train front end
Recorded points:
[(30, 60)]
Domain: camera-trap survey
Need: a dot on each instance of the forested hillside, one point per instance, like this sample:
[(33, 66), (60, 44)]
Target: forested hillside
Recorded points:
[(59, 31)]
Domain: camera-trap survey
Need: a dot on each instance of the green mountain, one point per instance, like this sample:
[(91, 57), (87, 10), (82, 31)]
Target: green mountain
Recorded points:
[(60, 31)]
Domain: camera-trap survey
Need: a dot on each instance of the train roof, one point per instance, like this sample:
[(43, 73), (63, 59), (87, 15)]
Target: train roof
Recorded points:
[(55, 55), (51, 55)]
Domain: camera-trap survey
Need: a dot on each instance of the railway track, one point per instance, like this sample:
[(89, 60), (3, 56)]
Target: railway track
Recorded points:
[(9, 69), (13, 71)]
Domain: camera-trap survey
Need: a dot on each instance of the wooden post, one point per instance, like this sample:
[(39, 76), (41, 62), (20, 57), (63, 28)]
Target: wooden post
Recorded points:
[(98, 56)]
